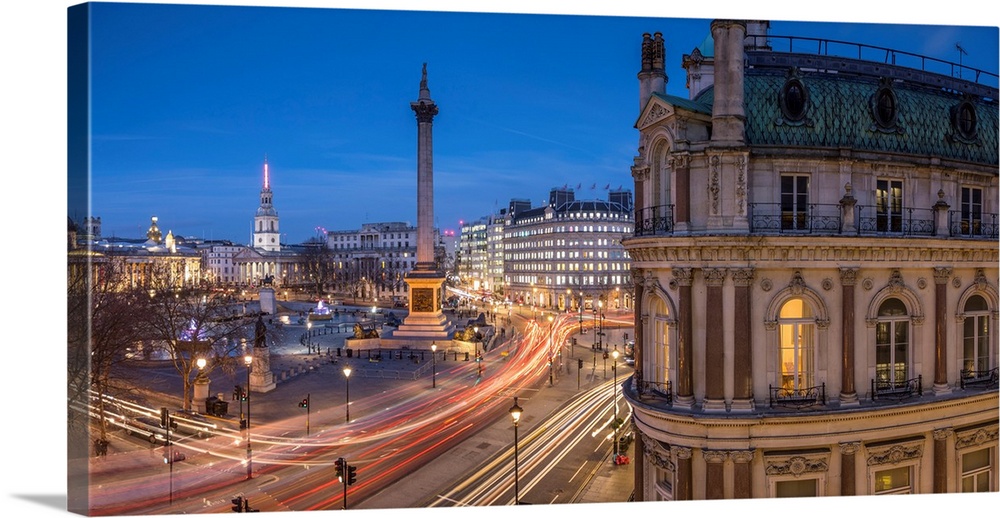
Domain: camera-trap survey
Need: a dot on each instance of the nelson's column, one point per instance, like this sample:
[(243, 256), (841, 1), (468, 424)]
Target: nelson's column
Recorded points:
[(425, 322)]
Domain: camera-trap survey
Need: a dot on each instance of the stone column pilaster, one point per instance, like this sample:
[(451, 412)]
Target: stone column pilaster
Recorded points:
[(682, 173), (742, 481), (685, 393), (683, 489), (714, 312), (941, 276), (714, 474), (638, 316), (941, 436), (848, 394), (848, 479), (743, 343)]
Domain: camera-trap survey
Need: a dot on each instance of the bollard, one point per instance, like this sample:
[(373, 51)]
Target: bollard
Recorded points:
[(338, 351)]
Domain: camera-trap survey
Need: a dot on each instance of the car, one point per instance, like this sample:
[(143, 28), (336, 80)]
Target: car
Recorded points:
[(629, 360)]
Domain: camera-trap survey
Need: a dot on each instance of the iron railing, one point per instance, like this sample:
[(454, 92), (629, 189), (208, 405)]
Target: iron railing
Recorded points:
[(813, 218), (889, 389), (976, 226), (656, 389), (981, 378), (905, 222), (797, 398), (651, 221)]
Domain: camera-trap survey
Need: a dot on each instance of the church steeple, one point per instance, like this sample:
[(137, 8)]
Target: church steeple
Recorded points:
[(265, 222)]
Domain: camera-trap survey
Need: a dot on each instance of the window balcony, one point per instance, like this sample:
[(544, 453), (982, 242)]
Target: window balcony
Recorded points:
[(797, 398), (651, 221), (979, 379), (906, 222), (975, 226), (886, 389), (815, 218), (660, 392)]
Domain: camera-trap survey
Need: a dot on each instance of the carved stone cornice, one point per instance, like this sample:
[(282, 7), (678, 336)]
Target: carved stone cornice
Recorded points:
[(850, 448), (657, 453), (640, 173), (714, 276), (656, 113), (895, 454), (848, 276), (780, 252), (742, 276), (797, 465)]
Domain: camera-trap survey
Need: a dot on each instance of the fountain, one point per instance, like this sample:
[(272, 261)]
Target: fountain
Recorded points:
[(320, 312)]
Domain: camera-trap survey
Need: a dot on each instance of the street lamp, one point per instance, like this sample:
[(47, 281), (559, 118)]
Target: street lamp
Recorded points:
[(347, 382), (248, 360), (515, 414), (552, 356), (309, 338), (479, 360), (434, 348), (614, 396)]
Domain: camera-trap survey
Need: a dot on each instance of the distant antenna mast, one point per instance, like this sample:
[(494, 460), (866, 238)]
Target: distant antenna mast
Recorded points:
[(961, 51)]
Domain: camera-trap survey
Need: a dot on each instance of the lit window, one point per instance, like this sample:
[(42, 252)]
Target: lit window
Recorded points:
[(797, 345), (893, 481), (892, 345), (976, 336)]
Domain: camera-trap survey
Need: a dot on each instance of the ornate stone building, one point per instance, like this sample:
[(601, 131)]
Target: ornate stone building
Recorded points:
[(816, 264)]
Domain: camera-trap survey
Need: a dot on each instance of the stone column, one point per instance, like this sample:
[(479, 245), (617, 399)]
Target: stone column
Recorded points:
[(941, 436), (743, 342), (715, 315), (685, 394), (848, 394), (639, 319), (941, 276), (742, 481), (638, 481), (683, 488), (425, 110), (848, 479), (714, 474), (682, 173)]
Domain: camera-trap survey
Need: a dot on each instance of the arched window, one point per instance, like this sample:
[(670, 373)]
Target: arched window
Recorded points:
[(976, 336), (892, 343), (797, 345)]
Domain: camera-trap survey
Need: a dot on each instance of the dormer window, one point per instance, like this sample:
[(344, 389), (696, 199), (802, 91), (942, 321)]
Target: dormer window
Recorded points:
[(793, 100), (965, 122), (885, 108)]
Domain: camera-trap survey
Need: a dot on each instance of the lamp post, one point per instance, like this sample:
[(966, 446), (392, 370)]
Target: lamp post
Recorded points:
[(479, 361), (347, 385), (309, 338), (515, 414), (552, 356), (614, 396), (248, 360), (434, 348)]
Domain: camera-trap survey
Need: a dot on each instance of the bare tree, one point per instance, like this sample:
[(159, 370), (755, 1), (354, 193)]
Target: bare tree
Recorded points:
[(319, 265), (189, 324)]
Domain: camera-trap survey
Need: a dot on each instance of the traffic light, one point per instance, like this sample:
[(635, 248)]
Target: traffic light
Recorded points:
[(352, 475), (304, 403), (164, 417), (243, 394), (579, 363), (238, 504), (340, 468)]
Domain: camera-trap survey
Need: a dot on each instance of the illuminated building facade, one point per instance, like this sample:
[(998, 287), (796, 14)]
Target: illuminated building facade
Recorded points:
[(568, 252), (816, 264)]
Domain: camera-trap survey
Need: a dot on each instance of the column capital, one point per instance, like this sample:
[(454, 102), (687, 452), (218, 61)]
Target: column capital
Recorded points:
[(941, 274), (714, 276), (741, 456), (683, 276), (849, 448), (682, 452), (848, 276), (743, 276), (714, 456), (941, 434)]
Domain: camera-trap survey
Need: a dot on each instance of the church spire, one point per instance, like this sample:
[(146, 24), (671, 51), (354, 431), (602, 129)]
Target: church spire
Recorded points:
[(267, 181)]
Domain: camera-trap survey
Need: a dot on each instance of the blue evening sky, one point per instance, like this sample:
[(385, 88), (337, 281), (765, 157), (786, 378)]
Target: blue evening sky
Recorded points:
[(187, 101)]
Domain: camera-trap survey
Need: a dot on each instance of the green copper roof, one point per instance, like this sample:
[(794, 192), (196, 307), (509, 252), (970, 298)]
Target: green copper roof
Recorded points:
[(839, 116), (687, 104)]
